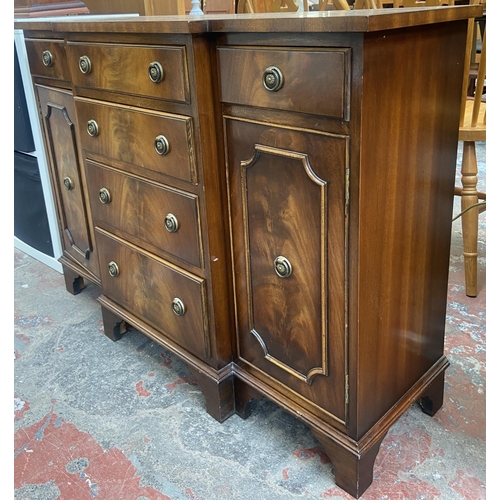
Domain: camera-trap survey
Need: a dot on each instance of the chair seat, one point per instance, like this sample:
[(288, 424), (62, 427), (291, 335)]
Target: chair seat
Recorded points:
[(477, 132)]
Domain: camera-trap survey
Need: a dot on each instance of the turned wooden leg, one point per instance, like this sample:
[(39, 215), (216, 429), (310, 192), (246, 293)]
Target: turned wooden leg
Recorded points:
[(243, 394), (432, 399), (470, 218), (353, 470), (219, 395), (74, 282), (114, 326)]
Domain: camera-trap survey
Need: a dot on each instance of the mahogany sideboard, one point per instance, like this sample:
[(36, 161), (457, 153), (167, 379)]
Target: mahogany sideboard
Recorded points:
[(270, 198)]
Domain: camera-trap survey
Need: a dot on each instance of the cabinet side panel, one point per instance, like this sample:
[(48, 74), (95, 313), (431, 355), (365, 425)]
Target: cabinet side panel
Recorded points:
[(410, 111)]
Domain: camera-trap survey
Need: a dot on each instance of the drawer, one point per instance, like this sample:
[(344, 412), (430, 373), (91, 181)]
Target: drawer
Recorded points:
[(132, 135), (151, 289), (142, 211), (293, 76), (131, 69), (47, 58)]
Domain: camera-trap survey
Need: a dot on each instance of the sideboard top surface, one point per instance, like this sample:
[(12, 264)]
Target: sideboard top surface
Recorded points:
[(328, 21)]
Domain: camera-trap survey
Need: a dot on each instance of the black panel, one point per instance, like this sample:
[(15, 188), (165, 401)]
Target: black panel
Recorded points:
[(23, 137), (30, 216)]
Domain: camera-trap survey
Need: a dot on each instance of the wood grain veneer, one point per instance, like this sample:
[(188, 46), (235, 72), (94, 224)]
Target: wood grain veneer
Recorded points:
[(128, 135), (344, 174)]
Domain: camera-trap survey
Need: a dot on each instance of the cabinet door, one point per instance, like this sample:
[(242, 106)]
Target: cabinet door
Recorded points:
[(288, 211), (58, 120)]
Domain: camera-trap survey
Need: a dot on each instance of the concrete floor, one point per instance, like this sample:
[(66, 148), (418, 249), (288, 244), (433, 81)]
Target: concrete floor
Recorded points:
[(126, 420)]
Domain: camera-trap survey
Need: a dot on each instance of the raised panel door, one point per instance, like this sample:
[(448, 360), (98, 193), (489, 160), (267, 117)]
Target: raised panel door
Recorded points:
[(58, 120), (288, 209)]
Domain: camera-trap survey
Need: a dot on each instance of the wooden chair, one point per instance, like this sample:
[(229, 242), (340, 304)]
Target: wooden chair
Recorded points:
[(358, 4), (379, 4), (253, 6), (426, 3), (367, 4), (336, 5), (472, 129), (283, 6)]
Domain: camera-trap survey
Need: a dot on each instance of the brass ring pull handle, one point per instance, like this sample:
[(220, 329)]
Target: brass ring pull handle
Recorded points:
[(92, 128), (162, 147), (68, 183), (178, 307), (171, 223), (155, 72), (85, 65), (272, 79), (113, 269), (47, 58), (283, 267), (104, 196)]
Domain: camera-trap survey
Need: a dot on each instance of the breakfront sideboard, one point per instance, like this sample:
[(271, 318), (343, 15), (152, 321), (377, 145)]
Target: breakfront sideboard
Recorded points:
[(268, 197)]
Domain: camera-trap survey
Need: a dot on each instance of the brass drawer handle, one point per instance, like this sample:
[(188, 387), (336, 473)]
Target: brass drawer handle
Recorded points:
[(171, 223), (92, 128), (113, 269), (68, 183), (162, 147), (178, 307), (47, 58), (85, 65), (155, 72), (104, 196), (283, 267), (272, 79)]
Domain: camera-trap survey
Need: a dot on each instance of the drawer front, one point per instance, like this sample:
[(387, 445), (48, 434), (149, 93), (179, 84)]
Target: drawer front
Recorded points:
[(126, 68), (47, 58), (245, 73), (150, 288), (166, 220), (131, 136)]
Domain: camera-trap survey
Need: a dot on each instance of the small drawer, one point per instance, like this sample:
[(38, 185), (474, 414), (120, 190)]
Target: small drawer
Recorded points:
[(151, 71), (154, 141), (47, 58), (165, 220), (168, 299), (305, 81)]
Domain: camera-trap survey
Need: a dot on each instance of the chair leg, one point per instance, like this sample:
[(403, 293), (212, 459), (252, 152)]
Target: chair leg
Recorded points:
[(470, 218)]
